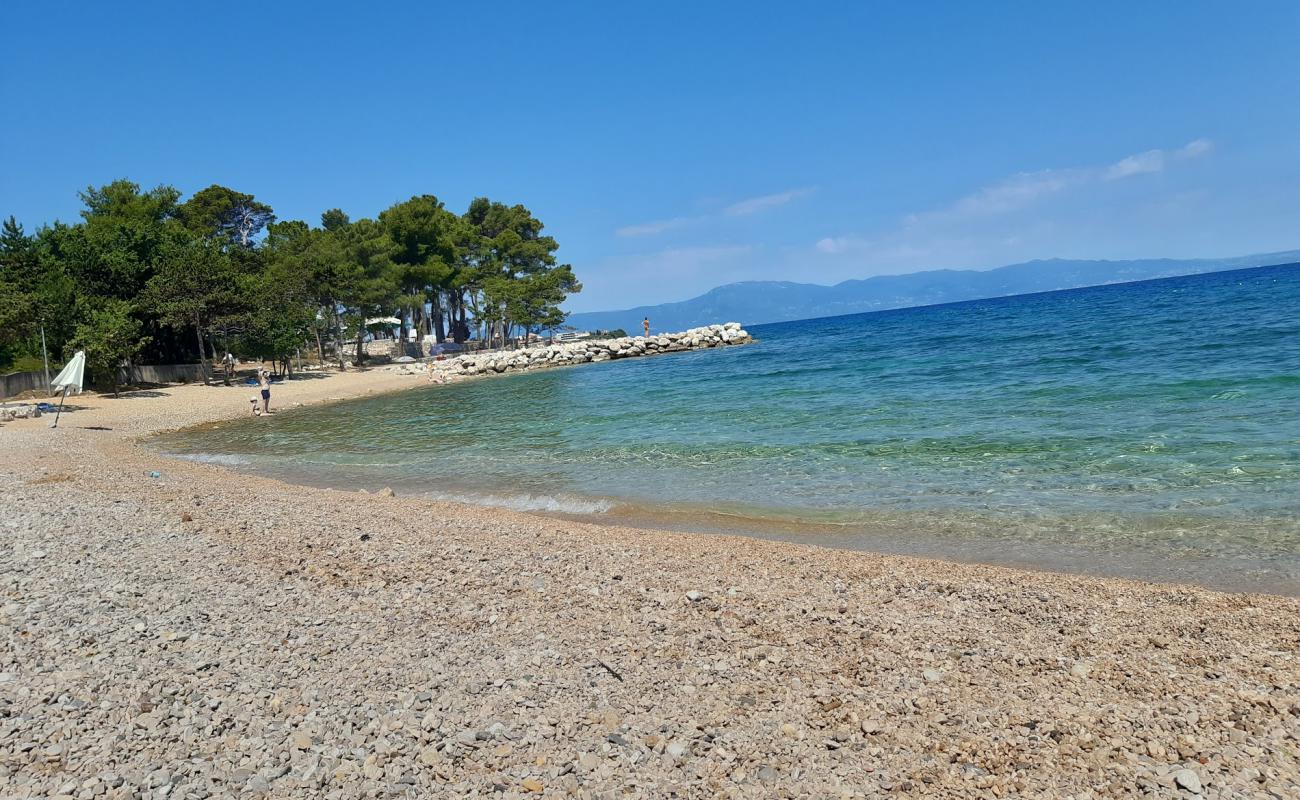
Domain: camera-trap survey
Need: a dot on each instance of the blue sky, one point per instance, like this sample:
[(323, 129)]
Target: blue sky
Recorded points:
[(672, 147)]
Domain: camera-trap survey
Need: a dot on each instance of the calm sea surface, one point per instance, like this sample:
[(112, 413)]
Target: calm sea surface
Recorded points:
[(1148, 430)]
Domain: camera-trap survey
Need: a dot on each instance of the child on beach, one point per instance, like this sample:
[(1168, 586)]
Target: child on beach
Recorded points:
[(257, 412)]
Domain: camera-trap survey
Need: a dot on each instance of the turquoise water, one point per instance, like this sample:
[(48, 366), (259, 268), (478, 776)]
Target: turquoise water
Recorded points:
[(1147, 429)]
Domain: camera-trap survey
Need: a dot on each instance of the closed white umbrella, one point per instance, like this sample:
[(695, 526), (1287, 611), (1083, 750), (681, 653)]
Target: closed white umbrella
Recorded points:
[(69, 380)]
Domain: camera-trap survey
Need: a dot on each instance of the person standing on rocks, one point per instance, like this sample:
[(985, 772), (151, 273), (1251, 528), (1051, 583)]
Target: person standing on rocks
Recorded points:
[(645, 323)]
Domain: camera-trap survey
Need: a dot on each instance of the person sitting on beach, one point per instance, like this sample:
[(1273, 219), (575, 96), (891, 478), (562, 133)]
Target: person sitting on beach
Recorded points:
[(264, 381), (257, 412)]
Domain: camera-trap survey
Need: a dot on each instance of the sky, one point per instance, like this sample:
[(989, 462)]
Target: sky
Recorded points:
[(673, 147)]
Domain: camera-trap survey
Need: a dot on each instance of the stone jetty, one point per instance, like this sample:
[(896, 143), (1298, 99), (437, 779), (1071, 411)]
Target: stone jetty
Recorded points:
[(585, 351)]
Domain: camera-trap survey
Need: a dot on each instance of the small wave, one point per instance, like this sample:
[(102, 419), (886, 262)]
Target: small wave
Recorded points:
[(565, 504), (225, 460)]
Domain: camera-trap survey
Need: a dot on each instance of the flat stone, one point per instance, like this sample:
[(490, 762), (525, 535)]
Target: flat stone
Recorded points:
[(1189, 780), (257, 785)]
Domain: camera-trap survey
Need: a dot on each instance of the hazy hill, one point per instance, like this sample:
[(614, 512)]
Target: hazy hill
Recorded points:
[(754, 302)]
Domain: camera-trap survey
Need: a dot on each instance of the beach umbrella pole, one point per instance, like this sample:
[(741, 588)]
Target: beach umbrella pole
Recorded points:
[(55, 423)]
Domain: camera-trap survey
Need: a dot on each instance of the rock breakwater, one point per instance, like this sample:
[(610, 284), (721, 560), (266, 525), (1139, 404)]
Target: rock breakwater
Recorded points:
[(584, 351)]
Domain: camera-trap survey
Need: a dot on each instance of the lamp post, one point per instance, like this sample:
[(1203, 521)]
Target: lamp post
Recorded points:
[(44, 355)]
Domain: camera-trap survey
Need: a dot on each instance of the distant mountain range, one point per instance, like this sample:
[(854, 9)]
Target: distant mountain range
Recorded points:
[(755, 302)]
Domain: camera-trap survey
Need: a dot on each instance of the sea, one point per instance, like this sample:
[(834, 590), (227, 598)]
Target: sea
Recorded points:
[(1147, 430)]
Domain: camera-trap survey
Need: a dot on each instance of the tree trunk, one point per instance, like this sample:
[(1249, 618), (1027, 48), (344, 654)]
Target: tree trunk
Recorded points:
[(338, 338), (320, 348), (203, 353), (453, 313), (438, 335)]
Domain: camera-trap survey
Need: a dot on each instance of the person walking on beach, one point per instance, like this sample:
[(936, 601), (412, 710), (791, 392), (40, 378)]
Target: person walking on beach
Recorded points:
[(264, 382), (645, 323), (228, 365)]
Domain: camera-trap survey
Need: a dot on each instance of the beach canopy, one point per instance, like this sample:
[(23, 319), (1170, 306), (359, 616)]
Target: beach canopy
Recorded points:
[(70, 379), (383, 321)]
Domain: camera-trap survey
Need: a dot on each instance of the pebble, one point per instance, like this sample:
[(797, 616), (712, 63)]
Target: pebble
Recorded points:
[(457, 652), (1189, 780)]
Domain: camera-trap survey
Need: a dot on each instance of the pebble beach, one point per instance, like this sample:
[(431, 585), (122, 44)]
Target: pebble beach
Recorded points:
[(207, 633)]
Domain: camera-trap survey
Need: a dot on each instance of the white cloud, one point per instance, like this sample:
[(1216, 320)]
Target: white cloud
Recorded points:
[(685, 260), (753, 205), (1156, 160), (841, 244), (1150, 161), (651, 228), (1195, 148), (1012, 193), (1026, 188), (984, 225), (744, 208)]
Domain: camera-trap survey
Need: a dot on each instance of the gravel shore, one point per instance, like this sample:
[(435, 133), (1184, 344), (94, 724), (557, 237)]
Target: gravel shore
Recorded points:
[(205, 633)]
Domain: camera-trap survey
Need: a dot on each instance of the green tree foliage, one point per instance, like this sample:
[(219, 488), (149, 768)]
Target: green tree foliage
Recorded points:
[(195, 286), (17, 298), (111, 337), (334, 219), (423, 250), (33, 295), (533, 301), (111, 253), (510, 270), (225, 213), (181, 280)]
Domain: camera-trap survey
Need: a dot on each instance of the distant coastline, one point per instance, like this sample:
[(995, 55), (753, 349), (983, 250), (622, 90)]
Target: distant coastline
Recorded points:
[(763, 302)]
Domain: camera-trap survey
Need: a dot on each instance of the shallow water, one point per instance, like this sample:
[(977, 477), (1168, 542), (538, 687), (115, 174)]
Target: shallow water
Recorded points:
[(1149, 430)]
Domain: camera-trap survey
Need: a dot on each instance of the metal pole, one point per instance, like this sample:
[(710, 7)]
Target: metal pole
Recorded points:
[(45, 356), (55, 423)]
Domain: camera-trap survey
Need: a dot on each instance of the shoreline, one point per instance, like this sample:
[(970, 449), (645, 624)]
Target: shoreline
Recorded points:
[(447, 648), (878, 537), (1002, 540)]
